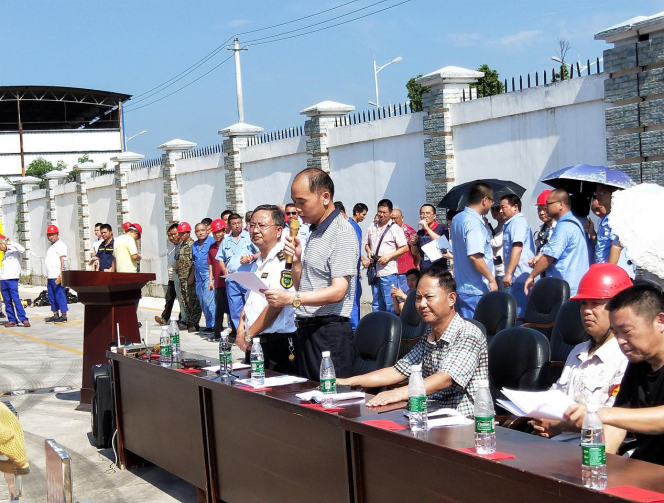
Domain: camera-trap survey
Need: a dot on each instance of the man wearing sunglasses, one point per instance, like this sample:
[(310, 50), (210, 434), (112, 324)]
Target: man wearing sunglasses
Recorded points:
[(303, 234)]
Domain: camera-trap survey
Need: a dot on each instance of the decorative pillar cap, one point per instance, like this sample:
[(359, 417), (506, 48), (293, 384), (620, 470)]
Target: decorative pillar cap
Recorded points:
[(329, 108), (57, 174), (626, 29), (4, 186), (127, 157), (240, 129), (88, 166), (450, 75), (175, 145), (26, 180)]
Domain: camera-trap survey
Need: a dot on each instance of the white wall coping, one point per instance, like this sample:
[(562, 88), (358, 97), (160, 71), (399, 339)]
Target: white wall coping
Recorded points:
[(274, 149), (139, 175), (36, 194), (558, 94), (375, 130), (9, 200), (203, 163), (66, 188), (26, 180), (101, 181), (327, 108)]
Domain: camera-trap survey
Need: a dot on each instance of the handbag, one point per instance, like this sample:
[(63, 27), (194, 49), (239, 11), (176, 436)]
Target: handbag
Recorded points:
[(372, 271)]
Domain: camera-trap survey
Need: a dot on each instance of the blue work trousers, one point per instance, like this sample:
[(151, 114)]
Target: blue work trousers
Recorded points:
[(57, 296), (206, 300), (235, 293), (9, 288), (382, 293), (355, 313)]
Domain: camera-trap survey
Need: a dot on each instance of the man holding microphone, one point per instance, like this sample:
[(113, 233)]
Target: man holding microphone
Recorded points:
[(323, 278)]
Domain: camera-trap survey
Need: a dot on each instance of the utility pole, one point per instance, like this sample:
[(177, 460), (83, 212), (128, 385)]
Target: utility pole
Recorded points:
[(20, 135), (238, 78)]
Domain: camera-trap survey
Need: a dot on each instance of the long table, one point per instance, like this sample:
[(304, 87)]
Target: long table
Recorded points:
[(236, 445)]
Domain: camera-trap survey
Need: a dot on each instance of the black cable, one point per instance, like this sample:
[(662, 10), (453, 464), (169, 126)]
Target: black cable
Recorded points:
[(181, 88), (331, 26)]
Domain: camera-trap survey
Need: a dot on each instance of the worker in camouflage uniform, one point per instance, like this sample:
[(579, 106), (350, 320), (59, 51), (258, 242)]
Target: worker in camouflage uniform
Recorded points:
[(185, 286)]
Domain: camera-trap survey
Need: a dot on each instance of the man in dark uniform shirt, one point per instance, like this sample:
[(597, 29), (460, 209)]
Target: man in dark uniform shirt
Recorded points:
[(637, 320), (105, 250)]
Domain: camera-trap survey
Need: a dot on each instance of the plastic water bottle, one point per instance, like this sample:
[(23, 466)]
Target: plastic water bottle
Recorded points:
[(417, 400), (225, 355), (174, 332), (328, 381), (485, 431), (593, 463), (165, 349), (257, 363)]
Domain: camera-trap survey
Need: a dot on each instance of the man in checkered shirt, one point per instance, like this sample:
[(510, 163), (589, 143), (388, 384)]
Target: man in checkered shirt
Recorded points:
[(453, 352)]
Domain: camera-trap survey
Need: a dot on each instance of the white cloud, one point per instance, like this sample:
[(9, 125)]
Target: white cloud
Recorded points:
[(520, 37), (233, 23)]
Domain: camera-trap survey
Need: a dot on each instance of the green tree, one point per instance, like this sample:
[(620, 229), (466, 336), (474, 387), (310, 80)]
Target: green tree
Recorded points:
[(40, 166), (415, 92), (490, 84)]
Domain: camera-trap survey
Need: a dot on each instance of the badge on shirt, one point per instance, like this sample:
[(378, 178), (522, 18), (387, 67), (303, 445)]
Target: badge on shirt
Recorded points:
[(614, 390), (264, 275), (286, 279), (281, 256)]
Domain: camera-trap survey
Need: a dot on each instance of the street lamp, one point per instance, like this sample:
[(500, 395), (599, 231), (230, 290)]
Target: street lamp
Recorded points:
[(581, 68), (378, 69), (137, 134)]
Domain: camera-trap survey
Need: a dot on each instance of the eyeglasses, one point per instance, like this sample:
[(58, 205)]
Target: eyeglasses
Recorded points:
[(489, 198), (552, 202), (261, 227), (291, 213)]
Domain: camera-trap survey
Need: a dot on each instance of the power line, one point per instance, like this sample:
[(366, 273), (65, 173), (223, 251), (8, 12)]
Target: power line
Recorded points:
[(328, 27), (181, 88), (316, 24)]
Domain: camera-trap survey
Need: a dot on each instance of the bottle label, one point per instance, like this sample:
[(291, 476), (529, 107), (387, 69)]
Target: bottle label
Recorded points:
[(258, 367), (484, 424), (417, 403), (175, 338), (328, 385), (593, 455), (165, 346)]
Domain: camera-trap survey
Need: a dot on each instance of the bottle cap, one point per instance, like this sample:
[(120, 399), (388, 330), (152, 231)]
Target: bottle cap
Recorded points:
[(256, 339), (326, 354), (592, 407), (483, 383), (173, 318), (164, 329), (416, 368)]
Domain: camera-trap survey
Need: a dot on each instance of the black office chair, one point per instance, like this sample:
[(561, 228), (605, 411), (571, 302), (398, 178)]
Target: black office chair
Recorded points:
[(544, 301), (495, 311), (568, 331), (412, 326), (478, 325), (649, 282), (518, 359), (377, 338)]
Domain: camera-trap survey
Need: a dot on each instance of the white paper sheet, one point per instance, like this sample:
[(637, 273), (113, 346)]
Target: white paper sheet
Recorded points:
[(248, 280), (342, 397), (449, 421), (270, 382), (432, 249), (550, 404), (236, 366)]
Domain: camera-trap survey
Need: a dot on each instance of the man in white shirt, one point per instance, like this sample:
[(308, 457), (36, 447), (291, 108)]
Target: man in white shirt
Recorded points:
[(274, 325), (173, 246), (9, 275), (96, 243), (56, 254)]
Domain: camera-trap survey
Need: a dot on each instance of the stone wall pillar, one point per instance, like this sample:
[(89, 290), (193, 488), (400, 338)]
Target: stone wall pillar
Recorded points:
[(634, 94), (321, 117), (5, 188), (237, 138), (123, 164), (173, 151), (53, 179), (24, 185), (446, 86), (83, 175)]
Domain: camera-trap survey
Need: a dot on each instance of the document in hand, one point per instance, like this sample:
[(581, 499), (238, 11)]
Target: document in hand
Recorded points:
[(432, 249), (550, 404), (281, 380), (248, 280)]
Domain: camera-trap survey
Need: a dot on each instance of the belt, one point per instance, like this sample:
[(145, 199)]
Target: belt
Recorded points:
[(317, 321)]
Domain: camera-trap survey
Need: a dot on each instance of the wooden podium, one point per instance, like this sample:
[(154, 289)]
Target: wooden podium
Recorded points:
[(109, 298)]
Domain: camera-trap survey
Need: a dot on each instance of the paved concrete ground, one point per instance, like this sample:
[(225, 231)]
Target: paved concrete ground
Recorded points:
[(47, 356)]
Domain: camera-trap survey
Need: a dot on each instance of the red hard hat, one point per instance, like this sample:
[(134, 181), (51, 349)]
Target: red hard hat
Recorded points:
[(138, 228), (184, 227), (541, 199), (218, 225), (52, 229), (602, 281), (126, 226)]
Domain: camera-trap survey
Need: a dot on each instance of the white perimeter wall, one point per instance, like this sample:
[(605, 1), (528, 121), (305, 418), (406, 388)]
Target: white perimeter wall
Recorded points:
[(101, 201), (9, 210), (202, 188), (37, 207), (523, 136), (66, 210)]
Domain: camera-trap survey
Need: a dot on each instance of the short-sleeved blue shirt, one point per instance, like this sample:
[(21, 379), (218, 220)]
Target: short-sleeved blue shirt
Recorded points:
[(470, 236), (231, 251), (517, 230), (569, 247), (358, 232), (605, 239), (200, 254)]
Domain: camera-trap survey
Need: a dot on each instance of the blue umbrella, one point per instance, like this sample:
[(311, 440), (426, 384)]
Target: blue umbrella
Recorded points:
[(572, 178)]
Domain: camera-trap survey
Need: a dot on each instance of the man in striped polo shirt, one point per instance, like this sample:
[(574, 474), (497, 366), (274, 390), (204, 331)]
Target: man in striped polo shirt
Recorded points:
[(323, 278)]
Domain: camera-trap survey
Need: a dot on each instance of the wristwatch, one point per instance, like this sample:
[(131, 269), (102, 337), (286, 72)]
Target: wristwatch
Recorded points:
[(296, 300), (247, 337)]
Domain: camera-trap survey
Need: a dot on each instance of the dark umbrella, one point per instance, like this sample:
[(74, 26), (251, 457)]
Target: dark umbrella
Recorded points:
[(457, 198), (583, 178)]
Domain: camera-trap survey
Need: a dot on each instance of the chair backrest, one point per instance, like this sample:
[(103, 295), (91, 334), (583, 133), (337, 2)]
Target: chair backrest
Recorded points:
[(496, 311), (412, 326), (649, 282), (377, 339), (568, 331), (544, 302), (518, 359)]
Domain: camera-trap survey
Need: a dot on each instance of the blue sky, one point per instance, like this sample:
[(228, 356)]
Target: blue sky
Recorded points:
[(132, 46)]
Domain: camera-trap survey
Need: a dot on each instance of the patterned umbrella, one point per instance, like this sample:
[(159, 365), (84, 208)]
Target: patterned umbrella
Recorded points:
[(638, 224), (573, 178), (457, 198)]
